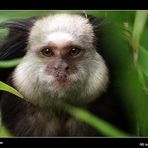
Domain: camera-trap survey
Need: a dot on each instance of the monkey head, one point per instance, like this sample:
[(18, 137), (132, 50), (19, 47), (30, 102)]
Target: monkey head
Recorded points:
[(61, 62)]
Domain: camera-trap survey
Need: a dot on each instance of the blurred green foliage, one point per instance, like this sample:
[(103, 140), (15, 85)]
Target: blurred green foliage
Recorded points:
[(4, 132), (130, 59), (100, 125), (10, 63)]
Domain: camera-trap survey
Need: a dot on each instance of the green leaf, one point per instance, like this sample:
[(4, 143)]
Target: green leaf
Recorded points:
[(9, 63), (100, 125), (140, 20), (10, 89), (143, 60)]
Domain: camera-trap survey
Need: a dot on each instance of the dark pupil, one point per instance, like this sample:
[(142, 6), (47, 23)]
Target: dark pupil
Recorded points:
[(74, 51), (47, 51)]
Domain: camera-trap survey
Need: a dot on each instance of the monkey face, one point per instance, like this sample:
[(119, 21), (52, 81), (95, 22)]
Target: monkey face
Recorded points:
[(61, 57), (53, 74), (61, 62)]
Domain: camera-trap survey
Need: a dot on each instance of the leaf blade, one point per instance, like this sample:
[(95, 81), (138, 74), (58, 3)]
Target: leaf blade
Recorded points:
[(100, 125), (5, 87), (10, 63)]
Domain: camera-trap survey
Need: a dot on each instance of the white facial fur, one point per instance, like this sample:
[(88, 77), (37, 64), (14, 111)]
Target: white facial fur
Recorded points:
[(77, 28), (92, 76), (59, 38)]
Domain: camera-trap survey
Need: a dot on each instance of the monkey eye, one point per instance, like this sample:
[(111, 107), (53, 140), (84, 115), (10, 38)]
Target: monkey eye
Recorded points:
[(74, 51), (47, 52)]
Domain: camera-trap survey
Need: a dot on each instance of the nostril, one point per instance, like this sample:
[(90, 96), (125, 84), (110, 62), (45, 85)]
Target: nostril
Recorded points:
[(67, 67)]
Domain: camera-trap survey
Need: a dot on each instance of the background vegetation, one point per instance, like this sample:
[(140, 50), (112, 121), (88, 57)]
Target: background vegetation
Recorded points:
[(131, 61)]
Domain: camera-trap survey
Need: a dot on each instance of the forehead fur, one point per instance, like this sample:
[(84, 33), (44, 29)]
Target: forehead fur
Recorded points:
[(75, 25)]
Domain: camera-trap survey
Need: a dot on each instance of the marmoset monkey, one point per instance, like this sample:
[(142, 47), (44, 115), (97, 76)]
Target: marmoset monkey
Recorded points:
[(61, 63)]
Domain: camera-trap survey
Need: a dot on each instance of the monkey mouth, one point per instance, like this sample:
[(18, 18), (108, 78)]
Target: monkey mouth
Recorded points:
[(61, 80), (64, 83)]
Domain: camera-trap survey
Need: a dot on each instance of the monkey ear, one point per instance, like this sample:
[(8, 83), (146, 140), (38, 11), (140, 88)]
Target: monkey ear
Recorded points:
[(15, 41)]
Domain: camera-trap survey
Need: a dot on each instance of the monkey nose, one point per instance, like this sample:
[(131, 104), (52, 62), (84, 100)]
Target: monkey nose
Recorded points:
[(64, 66)]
